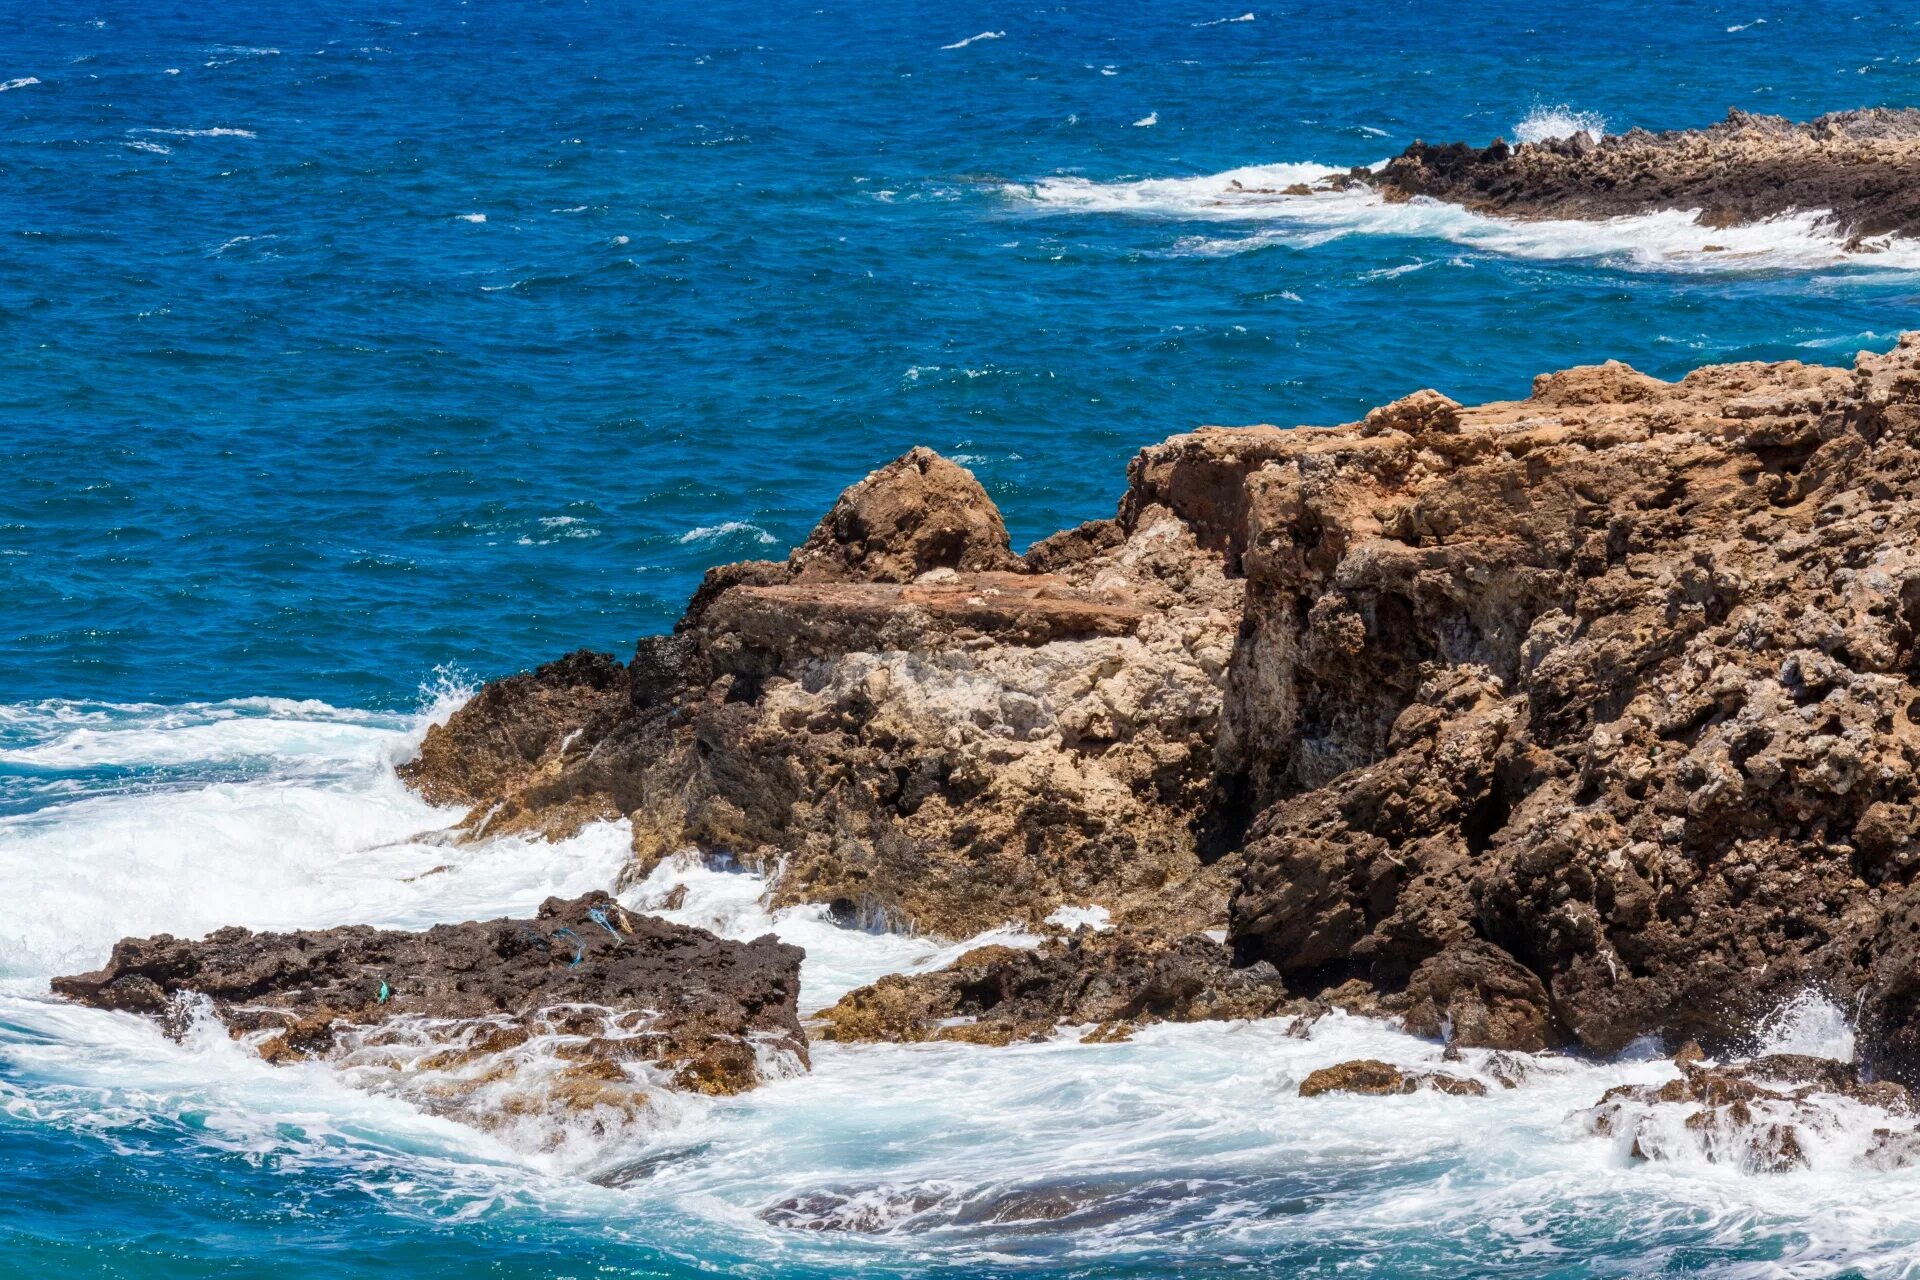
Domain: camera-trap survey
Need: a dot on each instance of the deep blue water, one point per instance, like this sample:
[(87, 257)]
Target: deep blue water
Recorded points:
[(277, 420), (344, 344)]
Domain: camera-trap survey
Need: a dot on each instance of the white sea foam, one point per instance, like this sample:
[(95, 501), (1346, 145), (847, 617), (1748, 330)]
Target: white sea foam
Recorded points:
[(984, 35), (1245, 17), (1188, 1139), (711, 532), (1255, 198), (471, 217), (1147, 121), (19, 83), (219, 131), (318, 832), (1562, 121)]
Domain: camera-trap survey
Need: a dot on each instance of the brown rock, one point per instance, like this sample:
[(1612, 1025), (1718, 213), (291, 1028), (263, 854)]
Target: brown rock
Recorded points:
[(1862, 167), (918, 513), (617, 987), (1475, 995), (1120, 980), (1373, 1077)]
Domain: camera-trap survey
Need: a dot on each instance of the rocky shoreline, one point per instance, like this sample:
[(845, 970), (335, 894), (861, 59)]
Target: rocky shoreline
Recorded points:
[(1557, 723), (1859, 171)]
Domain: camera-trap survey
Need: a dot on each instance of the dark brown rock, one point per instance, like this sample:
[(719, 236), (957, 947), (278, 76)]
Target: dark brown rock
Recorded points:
[(638, 988), (1860, 169), (1477, 996), (1119, 980)]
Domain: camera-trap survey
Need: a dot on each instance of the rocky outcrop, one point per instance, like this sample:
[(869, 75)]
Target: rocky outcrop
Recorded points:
[(1113, 982), (1569, 719), (1859, 169), (912, 725), (585, 1005), (1617, 680)]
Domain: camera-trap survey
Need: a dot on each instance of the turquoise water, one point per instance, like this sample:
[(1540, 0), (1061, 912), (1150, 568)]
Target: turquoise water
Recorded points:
[(349, 354)]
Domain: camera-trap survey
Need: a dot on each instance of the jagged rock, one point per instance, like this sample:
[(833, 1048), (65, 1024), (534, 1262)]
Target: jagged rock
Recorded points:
[(975, 744), (1859, 169), (1119, 980), (605, 989), (1379, 1079), (1612, 686), (1607, 680)]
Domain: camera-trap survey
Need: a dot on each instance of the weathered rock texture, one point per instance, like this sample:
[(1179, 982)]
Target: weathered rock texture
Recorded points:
[(1116, 981), (600, 989), (1860, 168), (908, 721), (1569, 719)]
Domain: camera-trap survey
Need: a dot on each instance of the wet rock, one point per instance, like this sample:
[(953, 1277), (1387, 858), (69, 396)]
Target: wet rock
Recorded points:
[(1757, 1116), (513, 729), (619, 1003), (1477, 996), (1861, 167), (1375, 1078), (998, 995)]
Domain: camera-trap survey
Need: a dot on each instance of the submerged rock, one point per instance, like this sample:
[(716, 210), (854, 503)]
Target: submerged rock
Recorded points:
[(1759, 1116), (583, 1006), (1857, 170), (1380, 1079)]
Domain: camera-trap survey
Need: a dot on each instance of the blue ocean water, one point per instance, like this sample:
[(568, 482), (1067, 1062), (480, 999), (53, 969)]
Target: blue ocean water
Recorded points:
[(349, 351)]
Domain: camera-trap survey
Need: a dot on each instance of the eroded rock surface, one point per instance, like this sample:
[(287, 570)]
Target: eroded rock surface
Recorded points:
[(583, 1006), (1570, 719), (910, 723), (1117, 981), (1859, 169)]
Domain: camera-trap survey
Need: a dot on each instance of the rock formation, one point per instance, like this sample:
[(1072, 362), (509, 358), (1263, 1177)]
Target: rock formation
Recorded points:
[(1860, 169), (1115, 981), (1563, 720), (585, 1005), (911, 723)]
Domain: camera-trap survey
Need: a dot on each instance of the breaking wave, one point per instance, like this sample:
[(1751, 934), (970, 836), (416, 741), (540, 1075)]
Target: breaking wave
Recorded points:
[(1277, 205)]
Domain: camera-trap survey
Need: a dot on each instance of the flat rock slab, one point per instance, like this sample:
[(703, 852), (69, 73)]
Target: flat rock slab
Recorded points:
[(708, 1011)]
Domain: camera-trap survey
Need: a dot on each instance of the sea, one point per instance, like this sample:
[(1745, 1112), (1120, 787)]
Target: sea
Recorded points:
[(354, 352)]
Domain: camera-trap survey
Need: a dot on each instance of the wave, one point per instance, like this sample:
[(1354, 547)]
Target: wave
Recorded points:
[(19, 83), (1258, 197), (1544, 122), (714, 532), (220, 131), (1190, 1138), (1245, 17), (984, 35)]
